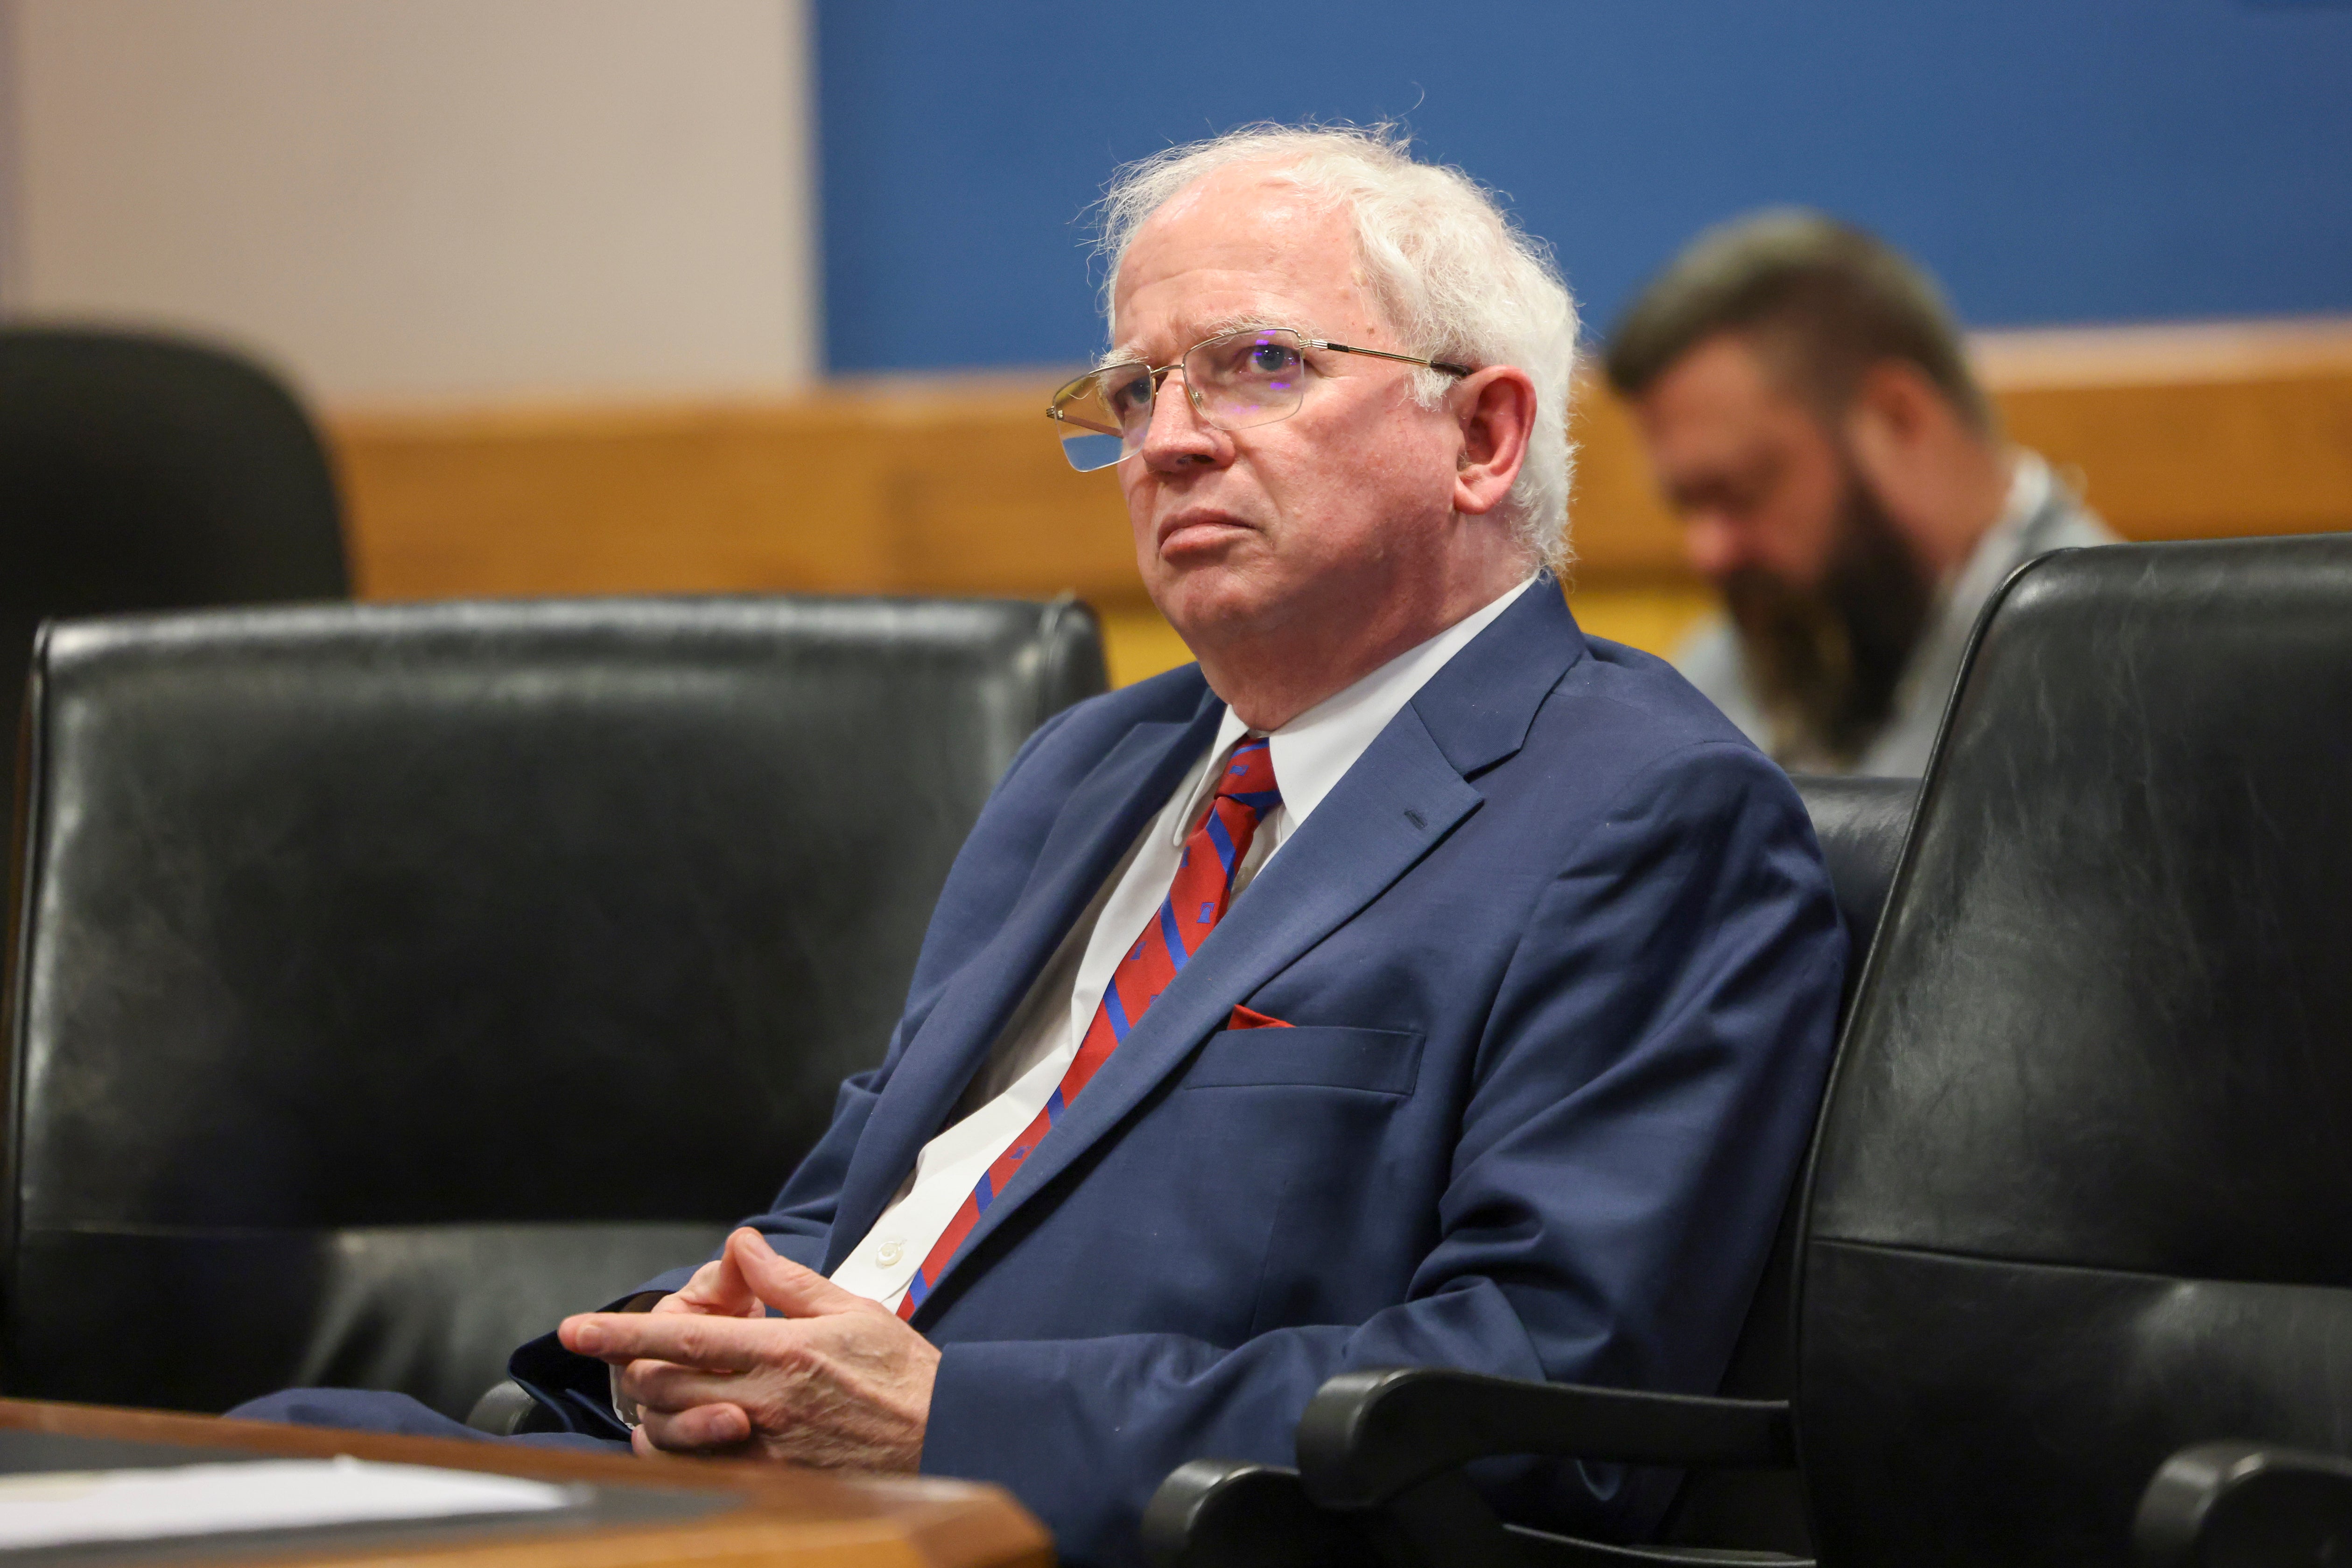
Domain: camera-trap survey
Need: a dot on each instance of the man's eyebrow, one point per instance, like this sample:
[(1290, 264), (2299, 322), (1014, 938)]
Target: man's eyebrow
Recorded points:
[(1201, 332)]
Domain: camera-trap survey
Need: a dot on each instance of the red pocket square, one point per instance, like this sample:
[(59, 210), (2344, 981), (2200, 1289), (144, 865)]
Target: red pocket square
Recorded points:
[(1251, 1018)]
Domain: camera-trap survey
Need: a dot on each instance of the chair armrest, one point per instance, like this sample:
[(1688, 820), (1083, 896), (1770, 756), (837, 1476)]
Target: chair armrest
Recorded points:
[(2247, 1506), (1226, 1513), (501, 1410), (1369, 1437)]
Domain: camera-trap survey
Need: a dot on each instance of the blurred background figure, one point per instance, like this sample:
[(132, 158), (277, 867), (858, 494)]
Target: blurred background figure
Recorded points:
[(1842, 480)]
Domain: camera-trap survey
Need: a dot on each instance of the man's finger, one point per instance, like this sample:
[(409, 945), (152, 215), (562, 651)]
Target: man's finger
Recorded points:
[(691, 1338), (794, 1291), (703, 1429), (719, 1287), (666, 1385)]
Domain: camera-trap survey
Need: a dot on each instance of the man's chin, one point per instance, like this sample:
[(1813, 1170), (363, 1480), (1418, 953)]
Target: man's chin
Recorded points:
[(1211, 599)]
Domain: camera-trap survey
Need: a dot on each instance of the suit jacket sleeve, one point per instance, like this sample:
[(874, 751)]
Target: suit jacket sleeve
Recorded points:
[(1642, 1096), (980, 890)]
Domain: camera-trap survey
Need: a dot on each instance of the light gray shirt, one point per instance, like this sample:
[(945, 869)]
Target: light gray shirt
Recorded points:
[(2041, 515)]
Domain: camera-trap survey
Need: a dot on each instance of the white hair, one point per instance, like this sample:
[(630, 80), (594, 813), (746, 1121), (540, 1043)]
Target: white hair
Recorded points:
[(1452, 274)]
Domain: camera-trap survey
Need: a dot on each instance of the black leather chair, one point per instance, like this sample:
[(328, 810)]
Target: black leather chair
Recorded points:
[(149, 473), (1860, 823), (388, 980), (2083, 1192), (1217, 1514), (2243, 1505)]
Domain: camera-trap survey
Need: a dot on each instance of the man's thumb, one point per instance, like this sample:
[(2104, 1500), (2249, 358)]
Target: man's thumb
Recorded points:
[(794, 1291)]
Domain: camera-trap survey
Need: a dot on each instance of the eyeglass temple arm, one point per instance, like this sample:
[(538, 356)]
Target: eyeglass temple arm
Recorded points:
[(1383, 354), (1054, 413)]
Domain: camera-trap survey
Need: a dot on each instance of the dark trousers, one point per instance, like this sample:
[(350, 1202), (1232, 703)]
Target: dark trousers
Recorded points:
[(365, 1410)]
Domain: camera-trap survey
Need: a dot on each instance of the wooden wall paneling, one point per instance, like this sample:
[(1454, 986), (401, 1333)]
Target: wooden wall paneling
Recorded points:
[(1622, 532), (980, 501), (953, 485), (2197, 461), (852, 491), (639, 501)]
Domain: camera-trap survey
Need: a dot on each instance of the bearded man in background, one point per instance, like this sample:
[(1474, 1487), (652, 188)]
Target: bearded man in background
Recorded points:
[(1842, 479)]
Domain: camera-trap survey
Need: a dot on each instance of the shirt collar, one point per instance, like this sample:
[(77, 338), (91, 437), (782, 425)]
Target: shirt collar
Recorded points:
[(2031, 483), (1315, 751)]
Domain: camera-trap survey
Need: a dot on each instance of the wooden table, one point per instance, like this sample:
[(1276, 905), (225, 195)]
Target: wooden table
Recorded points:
[(719, 1515)]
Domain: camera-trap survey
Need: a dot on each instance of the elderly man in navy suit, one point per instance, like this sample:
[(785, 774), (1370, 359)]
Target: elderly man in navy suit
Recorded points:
[(1413, 980)]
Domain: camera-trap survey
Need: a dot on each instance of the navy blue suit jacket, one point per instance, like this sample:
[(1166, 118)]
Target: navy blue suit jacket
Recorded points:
[(1562, 961)]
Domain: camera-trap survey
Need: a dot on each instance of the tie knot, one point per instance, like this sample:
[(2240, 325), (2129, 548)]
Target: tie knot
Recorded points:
[(1249, 777)]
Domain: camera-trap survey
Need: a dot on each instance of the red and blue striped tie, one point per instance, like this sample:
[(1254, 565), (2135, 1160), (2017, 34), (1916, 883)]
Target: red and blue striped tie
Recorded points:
[(1196, 901)]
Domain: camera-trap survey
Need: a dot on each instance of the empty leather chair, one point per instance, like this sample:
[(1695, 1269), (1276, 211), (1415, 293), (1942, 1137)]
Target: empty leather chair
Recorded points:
[(391, 980), (140, 472), (2083, 1192), (1860, 823)]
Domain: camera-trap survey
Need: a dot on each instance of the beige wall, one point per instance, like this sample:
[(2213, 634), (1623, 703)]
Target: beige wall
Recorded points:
[(426, 199)]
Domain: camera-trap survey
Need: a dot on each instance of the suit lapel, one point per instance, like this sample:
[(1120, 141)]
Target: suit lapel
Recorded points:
[(1399, 800), (1094, 828)]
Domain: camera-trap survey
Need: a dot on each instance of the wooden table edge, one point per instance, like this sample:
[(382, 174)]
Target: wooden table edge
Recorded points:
[(792, 1515)]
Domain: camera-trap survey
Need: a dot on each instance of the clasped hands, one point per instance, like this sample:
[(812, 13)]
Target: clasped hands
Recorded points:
[(836, 1379)]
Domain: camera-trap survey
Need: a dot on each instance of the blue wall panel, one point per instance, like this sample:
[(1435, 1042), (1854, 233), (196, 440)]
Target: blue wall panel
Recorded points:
[(2053, 160)]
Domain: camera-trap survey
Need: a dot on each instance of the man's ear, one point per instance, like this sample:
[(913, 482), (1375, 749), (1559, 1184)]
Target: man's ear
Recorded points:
[(1496, 411), (1895, 413)]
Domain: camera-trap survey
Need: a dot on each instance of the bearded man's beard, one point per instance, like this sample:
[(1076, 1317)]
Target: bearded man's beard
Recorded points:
[(1825, 662)]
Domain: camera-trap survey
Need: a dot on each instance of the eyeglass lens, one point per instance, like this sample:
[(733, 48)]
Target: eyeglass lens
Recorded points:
[(1235, 381)]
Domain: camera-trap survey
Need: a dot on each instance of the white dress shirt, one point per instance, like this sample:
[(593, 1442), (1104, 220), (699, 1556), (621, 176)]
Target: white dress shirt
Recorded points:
[(1310, 754)]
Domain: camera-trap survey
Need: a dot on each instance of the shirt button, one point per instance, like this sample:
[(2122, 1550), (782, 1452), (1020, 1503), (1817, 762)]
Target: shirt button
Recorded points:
[(889, 1252)]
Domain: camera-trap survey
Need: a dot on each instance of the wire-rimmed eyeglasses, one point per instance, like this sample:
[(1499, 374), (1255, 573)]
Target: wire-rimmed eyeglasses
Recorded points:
[(1234, 379)]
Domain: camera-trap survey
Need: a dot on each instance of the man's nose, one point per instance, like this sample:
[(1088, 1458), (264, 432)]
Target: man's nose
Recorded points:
[(1176, 434), (1715, 546)]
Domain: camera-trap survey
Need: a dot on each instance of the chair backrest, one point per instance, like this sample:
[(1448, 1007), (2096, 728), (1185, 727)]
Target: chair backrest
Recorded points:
[(1860, 823), (2084, 1189), (151, 473), (390, 980)]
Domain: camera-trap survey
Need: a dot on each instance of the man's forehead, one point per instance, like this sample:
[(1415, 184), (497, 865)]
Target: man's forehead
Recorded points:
[(1238, 249), (1720, 408), (1728, 377), (1195, 330)]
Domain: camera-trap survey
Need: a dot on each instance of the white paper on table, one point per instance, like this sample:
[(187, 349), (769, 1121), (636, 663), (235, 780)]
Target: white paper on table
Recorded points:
[(63, 1507)]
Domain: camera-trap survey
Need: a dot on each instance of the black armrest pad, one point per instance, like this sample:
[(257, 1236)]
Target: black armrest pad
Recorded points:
[(1368, 1436), (1224, 1513), (2245, 1505), (503, 1410)]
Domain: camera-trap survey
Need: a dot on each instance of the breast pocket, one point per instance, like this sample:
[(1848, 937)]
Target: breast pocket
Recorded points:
[(1374, 1061)]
